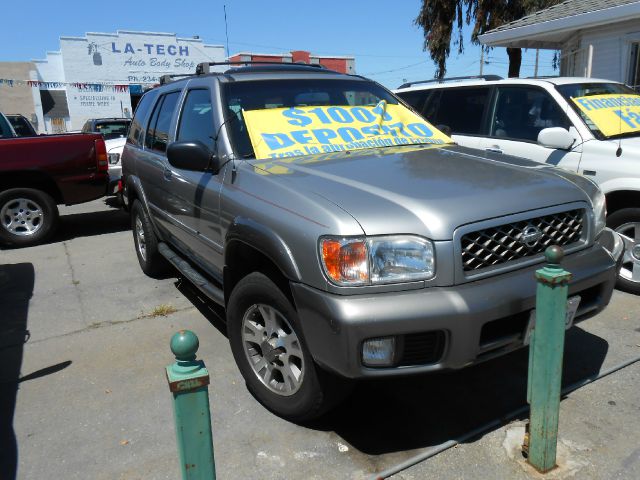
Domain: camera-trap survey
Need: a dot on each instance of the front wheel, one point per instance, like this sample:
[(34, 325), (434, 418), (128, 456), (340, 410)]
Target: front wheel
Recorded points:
[(627, 223), (263, 329), (27, 217)]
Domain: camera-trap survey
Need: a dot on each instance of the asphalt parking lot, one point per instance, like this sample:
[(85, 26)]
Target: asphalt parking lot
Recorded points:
[(92, 399)]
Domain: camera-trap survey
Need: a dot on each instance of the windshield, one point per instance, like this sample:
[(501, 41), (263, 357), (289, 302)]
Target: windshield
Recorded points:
[(288, 106), (578, 90), (21, 126), (113, 129)]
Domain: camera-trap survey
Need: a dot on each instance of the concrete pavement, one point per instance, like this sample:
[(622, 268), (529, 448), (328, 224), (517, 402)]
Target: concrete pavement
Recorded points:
[(93, 400)]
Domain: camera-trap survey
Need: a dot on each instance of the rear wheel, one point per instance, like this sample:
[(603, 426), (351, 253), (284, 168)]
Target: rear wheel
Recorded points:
[(627, 223), (266, 342), (27, 217), (151, 261)]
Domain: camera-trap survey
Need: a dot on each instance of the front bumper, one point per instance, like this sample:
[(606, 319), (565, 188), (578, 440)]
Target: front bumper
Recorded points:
[(473, 321)]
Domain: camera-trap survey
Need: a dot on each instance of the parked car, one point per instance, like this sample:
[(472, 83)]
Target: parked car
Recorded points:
[(114, 154), (21, 125), (365, 245), (109, 128), (39, 173), (537, 119)]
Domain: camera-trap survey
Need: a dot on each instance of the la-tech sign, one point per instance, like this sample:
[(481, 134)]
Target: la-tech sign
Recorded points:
[(133, 57)]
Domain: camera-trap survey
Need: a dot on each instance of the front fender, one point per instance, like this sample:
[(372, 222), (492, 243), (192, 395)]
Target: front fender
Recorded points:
[(267, 242)]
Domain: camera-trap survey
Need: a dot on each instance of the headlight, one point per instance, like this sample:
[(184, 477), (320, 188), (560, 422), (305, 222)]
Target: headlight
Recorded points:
[(114, 158), (377, 260), (599, 211)]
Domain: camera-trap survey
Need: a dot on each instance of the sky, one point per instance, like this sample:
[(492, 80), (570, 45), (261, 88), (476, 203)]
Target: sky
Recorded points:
[(382, 37)]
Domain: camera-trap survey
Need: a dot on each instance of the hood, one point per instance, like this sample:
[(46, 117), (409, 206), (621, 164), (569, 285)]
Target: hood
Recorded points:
[(424, 190), (115, 145)]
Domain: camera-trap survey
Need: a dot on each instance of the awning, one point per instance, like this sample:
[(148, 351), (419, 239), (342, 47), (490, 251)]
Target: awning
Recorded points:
[(552, 27), (54, 103)]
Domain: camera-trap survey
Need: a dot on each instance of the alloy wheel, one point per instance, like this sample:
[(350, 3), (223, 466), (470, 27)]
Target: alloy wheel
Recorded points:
[(21, 216), (142, 244), (630, 233), (273, 349)]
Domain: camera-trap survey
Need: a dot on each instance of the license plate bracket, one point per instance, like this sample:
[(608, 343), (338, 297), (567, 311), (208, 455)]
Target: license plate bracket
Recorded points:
[(572, 308)]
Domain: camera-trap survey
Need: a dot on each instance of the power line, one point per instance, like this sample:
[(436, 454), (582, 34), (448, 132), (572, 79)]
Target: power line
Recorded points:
[(395, 69)]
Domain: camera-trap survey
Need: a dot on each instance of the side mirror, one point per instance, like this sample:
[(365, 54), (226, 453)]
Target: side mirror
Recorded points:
[(556, 137), (193, 155)]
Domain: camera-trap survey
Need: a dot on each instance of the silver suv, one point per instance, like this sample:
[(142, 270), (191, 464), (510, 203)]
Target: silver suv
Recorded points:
[(380, 259)]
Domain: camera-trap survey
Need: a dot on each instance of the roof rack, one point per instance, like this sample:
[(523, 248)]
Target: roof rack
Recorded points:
[(542, 77), (205, 67), (164, 79), (453, 79)]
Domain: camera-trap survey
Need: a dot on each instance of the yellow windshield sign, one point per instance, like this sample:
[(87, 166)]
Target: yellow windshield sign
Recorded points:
[(291, 132), (613, 114)]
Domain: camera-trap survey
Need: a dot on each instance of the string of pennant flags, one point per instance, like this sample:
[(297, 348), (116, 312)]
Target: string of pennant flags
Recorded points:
[(84, 87)]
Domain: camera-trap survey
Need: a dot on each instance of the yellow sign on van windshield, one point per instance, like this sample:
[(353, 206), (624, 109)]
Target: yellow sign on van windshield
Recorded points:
[(613, 114), (291, 132)]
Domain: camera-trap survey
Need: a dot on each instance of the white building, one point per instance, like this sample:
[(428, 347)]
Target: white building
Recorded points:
[(103, 74), (597, 38)]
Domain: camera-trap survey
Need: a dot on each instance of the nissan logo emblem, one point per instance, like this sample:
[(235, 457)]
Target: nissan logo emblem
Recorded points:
[(530, 236)]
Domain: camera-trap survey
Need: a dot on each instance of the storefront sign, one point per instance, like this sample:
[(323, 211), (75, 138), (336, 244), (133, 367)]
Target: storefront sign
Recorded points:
[(613, 114), (291, 132)]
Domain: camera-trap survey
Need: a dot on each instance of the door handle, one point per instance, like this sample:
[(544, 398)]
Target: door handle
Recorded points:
[(494, 149), (166, 173)]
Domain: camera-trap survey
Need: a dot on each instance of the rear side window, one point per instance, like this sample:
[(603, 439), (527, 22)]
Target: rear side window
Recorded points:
[(136, 131), (196, 120), (461, 109), (521, 112), (157, 135)]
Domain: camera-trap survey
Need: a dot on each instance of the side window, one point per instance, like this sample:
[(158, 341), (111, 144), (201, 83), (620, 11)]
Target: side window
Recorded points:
[(151, 127), (158, 132), (196, 120), (416, 98), (136, 130), (5, 128), (521, 112), (461, 109)]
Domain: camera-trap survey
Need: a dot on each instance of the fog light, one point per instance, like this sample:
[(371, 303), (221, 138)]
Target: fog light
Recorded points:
[(378, 352)]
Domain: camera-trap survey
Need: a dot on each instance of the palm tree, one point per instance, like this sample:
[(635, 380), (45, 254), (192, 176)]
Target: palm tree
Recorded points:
[(439, 17)]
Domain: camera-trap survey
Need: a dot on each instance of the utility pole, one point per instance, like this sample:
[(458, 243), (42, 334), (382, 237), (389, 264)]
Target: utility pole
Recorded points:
[(481, 59), (535, 70)]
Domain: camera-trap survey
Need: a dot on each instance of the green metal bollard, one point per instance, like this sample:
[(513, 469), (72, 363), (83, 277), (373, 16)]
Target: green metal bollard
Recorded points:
[(545, 360), (188, 380)]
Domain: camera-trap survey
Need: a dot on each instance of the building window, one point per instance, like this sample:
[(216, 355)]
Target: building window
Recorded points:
[(633, 79)]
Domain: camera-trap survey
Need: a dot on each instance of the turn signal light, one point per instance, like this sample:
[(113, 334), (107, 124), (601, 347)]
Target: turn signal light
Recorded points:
[(346, 260)]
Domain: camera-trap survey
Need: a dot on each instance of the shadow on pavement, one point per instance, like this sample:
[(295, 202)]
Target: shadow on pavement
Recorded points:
[(416, 412), (211, 311), (88, 224), (16, 288)]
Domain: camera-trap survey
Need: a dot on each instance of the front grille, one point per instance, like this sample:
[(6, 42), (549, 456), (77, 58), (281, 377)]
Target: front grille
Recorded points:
[(497, 245), (422, 348)]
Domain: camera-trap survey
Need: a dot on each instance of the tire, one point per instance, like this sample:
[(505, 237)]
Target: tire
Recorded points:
[(627, 223), (27, 217), (145, 241), (264, 332)]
